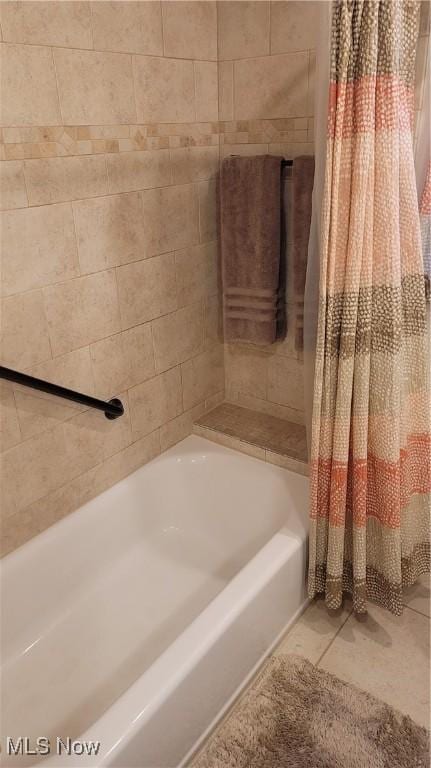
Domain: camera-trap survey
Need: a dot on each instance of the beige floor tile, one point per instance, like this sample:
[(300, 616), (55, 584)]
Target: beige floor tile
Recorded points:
[(418, 597), (312, 634), (388, 656)]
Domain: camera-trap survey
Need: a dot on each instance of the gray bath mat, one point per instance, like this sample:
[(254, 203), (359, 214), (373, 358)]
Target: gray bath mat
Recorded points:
[(298, 716)]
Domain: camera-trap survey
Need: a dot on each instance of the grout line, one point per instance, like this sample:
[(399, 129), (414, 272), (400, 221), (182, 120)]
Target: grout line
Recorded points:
[(135, 102), (26, 190), (162, 27), (144, 123), (18, 421), (47, 324), (107, 176), (180, 366), (91, 25), (77, 49), (320, 659), (416, 610), (107, 268), (92, 370), (57, 86), (270, 28), (117, 293), (268, 55), (75, 231), (105, 194), (195, 105)]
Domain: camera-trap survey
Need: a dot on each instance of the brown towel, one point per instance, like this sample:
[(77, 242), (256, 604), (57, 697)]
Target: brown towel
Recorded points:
[(303, 177), (250, 247)]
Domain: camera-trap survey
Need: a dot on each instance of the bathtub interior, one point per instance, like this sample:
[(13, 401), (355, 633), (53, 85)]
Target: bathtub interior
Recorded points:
[(90, 603)]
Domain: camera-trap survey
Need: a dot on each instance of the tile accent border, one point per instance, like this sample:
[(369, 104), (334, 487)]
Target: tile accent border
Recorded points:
[(276, 130), (28, 142)]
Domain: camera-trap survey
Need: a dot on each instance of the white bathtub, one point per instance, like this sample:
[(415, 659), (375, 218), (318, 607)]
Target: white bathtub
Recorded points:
[(134, 620)]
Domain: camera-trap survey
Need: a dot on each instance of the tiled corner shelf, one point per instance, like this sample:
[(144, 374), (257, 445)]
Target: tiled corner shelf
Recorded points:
[(265, 437)]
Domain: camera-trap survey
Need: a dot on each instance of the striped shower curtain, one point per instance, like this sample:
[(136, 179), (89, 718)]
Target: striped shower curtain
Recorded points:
[(425, 220), (370, 451)]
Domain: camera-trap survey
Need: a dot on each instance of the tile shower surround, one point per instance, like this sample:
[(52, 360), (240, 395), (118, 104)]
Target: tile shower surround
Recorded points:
[(114, 119), (110, 150)]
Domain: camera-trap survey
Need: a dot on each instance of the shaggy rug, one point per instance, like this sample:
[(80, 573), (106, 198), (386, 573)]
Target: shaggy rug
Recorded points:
[(298, 716)]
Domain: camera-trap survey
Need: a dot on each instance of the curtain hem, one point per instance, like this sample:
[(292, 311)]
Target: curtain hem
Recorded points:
[(375, 587)]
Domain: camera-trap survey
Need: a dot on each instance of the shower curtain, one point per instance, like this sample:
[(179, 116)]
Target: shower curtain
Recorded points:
[(425, 220), (423, 171), (370, 444)]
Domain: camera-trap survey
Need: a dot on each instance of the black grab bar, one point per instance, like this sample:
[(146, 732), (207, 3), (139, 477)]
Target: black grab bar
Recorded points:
[(113, 408)]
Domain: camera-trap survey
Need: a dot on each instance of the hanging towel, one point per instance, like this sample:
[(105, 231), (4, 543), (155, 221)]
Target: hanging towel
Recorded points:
[(303, 177), (250, 248)]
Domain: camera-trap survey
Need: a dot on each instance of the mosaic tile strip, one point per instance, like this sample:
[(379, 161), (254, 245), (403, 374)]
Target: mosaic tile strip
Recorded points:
[(25, 142)]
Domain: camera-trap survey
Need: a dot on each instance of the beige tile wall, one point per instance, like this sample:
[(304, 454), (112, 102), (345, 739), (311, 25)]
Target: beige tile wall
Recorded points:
[(110, 151), (266, 100), (266, 85), (114, 118)]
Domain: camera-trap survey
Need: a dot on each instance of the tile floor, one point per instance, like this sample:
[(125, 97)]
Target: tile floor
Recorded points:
[(386, 655)]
